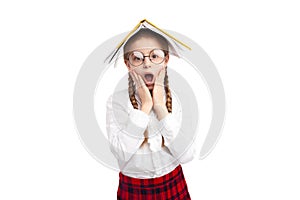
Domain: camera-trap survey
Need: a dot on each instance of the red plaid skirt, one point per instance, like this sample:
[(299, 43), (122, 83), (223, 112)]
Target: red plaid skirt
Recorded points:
[(171, 186)]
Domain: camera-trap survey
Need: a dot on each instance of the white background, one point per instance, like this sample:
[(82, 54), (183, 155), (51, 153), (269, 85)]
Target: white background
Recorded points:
[(254, 45)]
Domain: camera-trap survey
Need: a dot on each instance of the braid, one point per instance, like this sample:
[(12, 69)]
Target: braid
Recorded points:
[(169, 99), (131, 92), (168, 94)]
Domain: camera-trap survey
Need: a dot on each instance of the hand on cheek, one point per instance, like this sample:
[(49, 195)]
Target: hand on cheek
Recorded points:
[(159, 105), (156, 101), (143, 92)]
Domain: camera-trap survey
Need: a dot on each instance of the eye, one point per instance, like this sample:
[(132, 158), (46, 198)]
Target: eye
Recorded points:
[(154, 56), (157, 53), (137, 56)]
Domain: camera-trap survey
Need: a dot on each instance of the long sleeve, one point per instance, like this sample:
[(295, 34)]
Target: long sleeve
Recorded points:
[(125, 128), (170, 127)]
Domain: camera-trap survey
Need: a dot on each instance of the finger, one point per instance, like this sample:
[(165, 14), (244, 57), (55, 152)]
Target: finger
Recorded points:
[(141, 81), (138, 82), (133, 77), (162, 74), (160, 78), (163, 70)]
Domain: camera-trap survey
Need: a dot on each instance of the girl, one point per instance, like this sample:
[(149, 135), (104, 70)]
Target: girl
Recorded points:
[(142, 124)]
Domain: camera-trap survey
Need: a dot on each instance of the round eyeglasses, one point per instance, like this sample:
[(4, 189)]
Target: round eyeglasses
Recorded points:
[(156, 56)]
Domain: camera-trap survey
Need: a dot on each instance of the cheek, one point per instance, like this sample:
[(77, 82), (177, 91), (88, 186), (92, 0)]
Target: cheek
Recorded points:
[(157, 70), (154, 70), (138, 71)]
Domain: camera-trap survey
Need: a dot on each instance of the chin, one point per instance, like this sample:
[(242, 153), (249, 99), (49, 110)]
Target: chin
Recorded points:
[(150, 87)]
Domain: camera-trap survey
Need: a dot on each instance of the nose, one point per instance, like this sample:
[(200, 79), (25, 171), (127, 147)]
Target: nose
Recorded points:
[(147, 62)]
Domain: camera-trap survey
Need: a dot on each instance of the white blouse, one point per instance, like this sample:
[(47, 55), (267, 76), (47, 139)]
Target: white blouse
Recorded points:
[(127, 128)]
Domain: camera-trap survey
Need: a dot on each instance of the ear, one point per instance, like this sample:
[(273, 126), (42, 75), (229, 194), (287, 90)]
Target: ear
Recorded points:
[(127, 64), (167, 59)]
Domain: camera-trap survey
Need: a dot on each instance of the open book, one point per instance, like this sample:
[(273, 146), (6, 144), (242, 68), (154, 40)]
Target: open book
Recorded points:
[(175, 45)]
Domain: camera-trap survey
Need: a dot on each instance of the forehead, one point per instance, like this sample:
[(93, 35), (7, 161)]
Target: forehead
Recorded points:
[(145, 44)]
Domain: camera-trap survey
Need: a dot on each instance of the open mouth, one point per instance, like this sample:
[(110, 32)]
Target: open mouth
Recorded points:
[(149, 78)]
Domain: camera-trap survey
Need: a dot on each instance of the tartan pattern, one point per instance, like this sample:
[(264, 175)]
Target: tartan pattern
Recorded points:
[(171, 186)]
